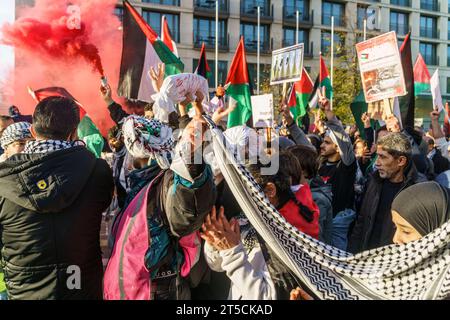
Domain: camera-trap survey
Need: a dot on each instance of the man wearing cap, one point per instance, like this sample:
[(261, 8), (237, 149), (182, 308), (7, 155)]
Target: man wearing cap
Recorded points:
[(14, 138)]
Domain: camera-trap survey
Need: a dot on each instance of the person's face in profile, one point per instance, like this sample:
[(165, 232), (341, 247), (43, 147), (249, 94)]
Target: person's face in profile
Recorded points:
[(404, 232)]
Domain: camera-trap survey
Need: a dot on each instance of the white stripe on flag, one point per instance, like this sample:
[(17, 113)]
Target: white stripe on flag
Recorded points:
[(436, 91), (397, 112), (151, 60)]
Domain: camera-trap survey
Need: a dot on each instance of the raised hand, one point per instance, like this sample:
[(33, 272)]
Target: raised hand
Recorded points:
[(392, 124), (221, 112), (365, 118), (286, 115), (324, 103), (106, 94), (220, 233), (157, 76)]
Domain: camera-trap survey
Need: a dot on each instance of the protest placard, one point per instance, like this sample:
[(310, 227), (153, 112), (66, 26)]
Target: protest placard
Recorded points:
[(262, 111), (381, 68), (287, 64)]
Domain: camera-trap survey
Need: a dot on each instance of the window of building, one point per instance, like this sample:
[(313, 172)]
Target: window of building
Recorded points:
[(428, 27), (154, 20), (405, 3), (431, 5), (164, 2), (250, 33), (448, 85), (339, 43), (249, 7), (289, 37), (331, 9), (223, 71), (361, 16), (399, 23), (428, 51), (291, 7), (205, 31), (448, 56)]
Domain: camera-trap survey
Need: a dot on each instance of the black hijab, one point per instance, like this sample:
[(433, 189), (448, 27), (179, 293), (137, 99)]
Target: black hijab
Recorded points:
[(425, 206)]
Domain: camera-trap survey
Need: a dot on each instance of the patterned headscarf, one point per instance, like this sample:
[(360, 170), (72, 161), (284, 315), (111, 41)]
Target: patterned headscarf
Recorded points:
[(148, 138), (15, 132)]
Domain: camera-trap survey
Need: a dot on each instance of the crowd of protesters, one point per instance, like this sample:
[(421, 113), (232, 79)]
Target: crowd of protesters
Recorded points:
[(351, 193)]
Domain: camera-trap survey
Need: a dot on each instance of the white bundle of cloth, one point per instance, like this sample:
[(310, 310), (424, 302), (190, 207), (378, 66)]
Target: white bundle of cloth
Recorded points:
[(174, 90)]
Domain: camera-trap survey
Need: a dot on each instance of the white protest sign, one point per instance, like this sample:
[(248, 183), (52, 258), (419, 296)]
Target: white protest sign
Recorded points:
[(287, 64), (381, 68), (436, 91), (262, 111)]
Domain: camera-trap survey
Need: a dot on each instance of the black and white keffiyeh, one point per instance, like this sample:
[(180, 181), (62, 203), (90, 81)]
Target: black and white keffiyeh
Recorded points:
[(148, 138), (46, 146), (15, 132), (417, 270)]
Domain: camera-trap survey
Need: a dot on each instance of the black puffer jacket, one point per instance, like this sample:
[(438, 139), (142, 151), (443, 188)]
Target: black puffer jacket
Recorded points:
[(359, 239), (50, 213)]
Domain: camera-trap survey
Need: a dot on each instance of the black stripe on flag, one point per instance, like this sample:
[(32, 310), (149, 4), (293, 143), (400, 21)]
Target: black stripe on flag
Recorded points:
[(133, 57)]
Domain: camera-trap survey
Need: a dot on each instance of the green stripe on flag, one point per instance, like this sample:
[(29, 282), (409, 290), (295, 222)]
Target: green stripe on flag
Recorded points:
[(173, 64), (299, 110), (420, 87), (243, 111), (89, 133), (329, 89)]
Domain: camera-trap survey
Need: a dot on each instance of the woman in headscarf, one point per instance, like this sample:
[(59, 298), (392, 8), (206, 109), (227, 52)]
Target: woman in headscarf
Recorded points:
[(156, 242), (419, 210)]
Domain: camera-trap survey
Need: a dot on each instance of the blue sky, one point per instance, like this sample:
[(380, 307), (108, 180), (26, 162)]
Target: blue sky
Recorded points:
[(7, 14)]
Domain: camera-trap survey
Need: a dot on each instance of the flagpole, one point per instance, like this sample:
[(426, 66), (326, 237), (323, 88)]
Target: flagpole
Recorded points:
[(216, 78), (332, 58), (258, 51), (365, 29), (297, 17)]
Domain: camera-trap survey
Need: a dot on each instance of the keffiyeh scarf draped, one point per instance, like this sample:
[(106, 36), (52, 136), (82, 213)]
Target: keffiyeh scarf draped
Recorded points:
[(417, 270), (145, 138), (46, 146)]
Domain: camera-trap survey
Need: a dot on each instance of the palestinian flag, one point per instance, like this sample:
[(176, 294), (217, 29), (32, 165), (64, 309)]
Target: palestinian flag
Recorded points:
[(142, 49), (203, 68), (322, 80), (300, 94), (87, 130), (167, 38), (421, 76), (238, 89), (407, 103)]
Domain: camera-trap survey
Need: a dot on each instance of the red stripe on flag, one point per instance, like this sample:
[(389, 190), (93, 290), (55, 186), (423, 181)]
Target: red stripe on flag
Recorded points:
[(165, 34), (238, 73)]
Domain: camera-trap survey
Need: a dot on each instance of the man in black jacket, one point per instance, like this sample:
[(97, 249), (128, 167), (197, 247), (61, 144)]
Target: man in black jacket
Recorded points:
[(395, 172), (51, 201)]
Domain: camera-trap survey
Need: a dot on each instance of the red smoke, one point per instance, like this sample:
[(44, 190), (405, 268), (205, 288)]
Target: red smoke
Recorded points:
[(53, 51)]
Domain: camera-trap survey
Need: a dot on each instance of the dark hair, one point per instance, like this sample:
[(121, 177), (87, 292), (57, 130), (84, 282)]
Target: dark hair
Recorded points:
[(383, 128), (308, 159), (291, 166), (282, 182), (316, 141), (56, 118)]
